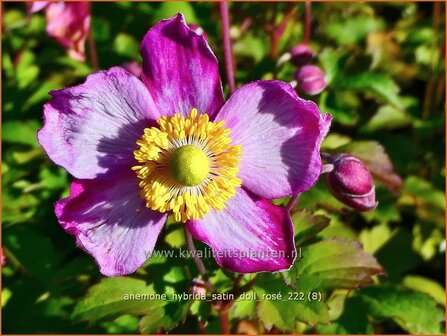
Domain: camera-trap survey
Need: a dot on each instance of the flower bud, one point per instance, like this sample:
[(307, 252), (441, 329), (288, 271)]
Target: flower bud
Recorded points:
[(310, 80), (351, 182), (301, 54), (69, 24)]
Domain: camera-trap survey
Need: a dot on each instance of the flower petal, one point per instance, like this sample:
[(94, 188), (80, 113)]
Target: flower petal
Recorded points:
[(180, 69), (110, 221), (93, 127), (249, 235), (36, 6), (280, 135), (69, 24)]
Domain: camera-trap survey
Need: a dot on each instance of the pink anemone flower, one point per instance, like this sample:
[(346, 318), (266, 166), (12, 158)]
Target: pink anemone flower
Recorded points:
[(68, 23), (140, 150)]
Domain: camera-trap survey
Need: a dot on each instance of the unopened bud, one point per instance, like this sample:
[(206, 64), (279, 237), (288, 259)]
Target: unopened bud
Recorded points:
[(301, 54), (351, 182), (310, 80)]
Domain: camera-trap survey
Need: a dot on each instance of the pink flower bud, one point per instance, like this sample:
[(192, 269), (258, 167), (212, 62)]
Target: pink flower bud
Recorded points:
[(301, 54), (69, 24), (310, 80), (351, 182)]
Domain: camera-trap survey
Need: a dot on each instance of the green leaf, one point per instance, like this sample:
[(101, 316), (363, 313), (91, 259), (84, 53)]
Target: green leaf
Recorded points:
[(244, 306), (26, 71), (353, 320), (112, 297), (126, 45), (319, 197), (23, 157), (176, 238), (374, 156), (334, 263), (397, 255), (21, 132), (328, 264), (285, 311), (34, 253), (169, 9), (415, 312), (386, 211), (306, 225), (125, 324), (380, 85), (250, 46), (388, 117), (427, 239), (333, 62), (426, 285), (53, 179), (164, 318), (202, 309), (429, 201), (337, 227), (41, 94), (352, 30), (374, 238), (341, 105), (334, 140), (18, 208)]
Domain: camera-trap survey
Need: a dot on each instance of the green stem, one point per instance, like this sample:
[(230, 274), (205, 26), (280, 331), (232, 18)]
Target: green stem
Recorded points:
[(92, 50), (228, 51)]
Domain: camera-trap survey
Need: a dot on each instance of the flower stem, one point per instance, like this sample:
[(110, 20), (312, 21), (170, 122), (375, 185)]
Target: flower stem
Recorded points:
[(92, 50), (228, 50), (307, 22), (292, 203), (224, 321), (199, 263)]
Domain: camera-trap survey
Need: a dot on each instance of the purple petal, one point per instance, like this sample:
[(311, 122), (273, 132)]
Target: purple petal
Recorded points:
[(36, 6), (110, 221), (69, 24), (280, 135), (250, 235), (180, 69), (93, 127)]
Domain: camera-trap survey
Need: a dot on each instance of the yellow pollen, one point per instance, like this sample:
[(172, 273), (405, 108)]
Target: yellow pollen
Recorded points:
[(187, 165)]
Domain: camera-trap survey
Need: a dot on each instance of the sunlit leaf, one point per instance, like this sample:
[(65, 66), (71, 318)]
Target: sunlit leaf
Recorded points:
[(352, 30), (282, 313), (334, 263), (415, 312)]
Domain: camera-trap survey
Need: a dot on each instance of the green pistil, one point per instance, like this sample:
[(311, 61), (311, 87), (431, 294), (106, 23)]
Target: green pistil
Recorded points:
[(189, 165)]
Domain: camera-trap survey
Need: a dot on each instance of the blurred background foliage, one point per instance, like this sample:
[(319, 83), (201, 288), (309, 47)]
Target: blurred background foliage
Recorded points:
[(385, 67)]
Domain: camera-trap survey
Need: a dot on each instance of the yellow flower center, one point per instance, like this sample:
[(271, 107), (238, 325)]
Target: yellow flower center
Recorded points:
[(187, 165)]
